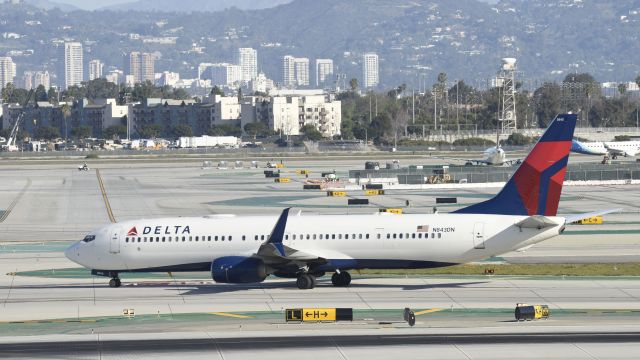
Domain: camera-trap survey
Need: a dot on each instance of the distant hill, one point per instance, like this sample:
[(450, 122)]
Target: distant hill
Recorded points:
[(196, 5), (415, 39), (47, 5)]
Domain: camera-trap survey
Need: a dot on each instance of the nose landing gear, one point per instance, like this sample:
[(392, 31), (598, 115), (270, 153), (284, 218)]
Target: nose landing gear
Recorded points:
[(115, 282)]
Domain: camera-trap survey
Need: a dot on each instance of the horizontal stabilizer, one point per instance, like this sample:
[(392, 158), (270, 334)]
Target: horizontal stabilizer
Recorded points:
[(536, 222), (578, 217)]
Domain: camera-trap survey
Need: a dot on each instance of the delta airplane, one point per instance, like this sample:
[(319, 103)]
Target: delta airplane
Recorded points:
[(247, 249), (613, 148)]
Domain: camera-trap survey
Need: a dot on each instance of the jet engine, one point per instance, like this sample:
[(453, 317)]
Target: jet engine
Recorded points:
[(238, 270)]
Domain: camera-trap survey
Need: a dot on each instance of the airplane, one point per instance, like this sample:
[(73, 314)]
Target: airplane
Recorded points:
[(494, 156), (613, 148), (247, 249)]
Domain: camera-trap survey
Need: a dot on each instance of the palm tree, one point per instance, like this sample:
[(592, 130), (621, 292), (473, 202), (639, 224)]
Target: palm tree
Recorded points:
[(66, 113)]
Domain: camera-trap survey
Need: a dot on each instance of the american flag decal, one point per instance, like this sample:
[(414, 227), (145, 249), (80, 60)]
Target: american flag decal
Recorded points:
[(423, 228)]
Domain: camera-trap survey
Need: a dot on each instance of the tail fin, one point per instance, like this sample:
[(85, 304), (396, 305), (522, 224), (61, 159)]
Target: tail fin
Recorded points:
[(534, 189)]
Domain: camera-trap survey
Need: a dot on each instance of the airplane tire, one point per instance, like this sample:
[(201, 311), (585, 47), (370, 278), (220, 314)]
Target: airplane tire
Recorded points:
[(346, 278), (303, 282), (342, 279), (115, 283), (312, 281)]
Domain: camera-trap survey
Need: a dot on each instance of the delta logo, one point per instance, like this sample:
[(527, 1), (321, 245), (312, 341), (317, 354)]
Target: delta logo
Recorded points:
[(161, 230)]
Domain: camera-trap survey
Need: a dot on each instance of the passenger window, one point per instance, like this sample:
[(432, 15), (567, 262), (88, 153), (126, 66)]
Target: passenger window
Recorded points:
[(420, 236), (244, 238), (346, 236), (314, 236), (163, 239), (339, 236), (230, 237), (395, 235), (320, 237), (308, 236), (209, 238), (184, 238), (294, 236), (333, 236), (400, 236), (216, 237), (406, 235), (222, 238), (256, 237), (413, 236), (439, 235), (197, 238), (286, 237), (359, 236), (388, 236), (433, 235)]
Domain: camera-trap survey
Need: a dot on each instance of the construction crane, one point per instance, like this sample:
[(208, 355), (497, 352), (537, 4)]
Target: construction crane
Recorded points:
[(11, 146)]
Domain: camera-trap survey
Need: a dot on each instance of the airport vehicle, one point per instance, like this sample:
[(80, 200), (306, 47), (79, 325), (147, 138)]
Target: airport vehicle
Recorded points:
[(246, 249), (612, 148), (83, 167)]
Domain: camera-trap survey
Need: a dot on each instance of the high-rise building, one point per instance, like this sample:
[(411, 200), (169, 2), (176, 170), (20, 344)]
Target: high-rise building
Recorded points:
[(202, 68), (296, 71), (248, 61), (370, 70), (302, 71), (141, 66), (7, 71), (73, 66), (95, 69), (324, 71), (225, 74), (42, 78), (27, 80), (289, 71)]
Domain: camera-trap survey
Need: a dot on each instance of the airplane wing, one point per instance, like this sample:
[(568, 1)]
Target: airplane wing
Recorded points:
[(578, 217), (273, 252)]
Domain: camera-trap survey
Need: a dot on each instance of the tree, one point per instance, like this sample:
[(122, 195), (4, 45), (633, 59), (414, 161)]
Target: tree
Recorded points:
[(81, 132), (52, 95), (217, 91), (225, 130), (150, 131), (380, 126), (119, 131), (311, 133), (256, 129), (239, 94), (353, 83), (41, 93), (182, 130), (622, 88), (66, 113), (47, 133), (547, 100)]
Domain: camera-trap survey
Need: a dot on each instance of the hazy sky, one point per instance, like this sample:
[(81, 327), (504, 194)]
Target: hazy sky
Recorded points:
[(92, 4)]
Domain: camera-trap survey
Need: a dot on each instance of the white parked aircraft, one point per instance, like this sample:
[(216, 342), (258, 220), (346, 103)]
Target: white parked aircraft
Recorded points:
[(613, 148), (246, 249)]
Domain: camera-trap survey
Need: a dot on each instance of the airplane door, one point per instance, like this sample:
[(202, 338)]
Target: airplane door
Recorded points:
[(114, 244), (478, 236)]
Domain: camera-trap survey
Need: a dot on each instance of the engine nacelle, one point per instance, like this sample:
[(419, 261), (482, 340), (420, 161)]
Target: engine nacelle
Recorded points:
[(238, 270)]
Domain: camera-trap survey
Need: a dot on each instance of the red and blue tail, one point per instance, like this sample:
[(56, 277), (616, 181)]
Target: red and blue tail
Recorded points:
[(534, 189)]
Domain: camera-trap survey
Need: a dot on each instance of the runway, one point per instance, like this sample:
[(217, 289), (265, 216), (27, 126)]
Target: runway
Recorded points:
[(529, 345), (52, 204)]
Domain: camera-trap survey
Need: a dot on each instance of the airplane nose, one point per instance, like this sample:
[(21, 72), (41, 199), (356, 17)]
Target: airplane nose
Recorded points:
[(71, 252)]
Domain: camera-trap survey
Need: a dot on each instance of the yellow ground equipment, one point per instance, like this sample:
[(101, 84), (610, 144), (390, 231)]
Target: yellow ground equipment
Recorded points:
[(337, 193)]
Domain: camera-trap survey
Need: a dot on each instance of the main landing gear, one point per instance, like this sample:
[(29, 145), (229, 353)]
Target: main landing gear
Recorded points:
[(341, 279), (115, 282), (306, 281)]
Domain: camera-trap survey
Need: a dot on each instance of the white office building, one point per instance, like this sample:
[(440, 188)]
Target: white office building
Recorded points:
[(95, 69), (7, 71), (202, 69), (73, 66), (224, 74), (289, 71), (261, 84), (370, 75), (247, 59), (42, 78), (324, 71), (295, 71), (302, 71), (287, 114)]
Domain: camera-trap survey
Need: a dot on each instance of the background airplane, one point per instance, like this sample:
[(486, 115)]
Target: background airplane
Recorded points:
[(247, 249), (613, 148)]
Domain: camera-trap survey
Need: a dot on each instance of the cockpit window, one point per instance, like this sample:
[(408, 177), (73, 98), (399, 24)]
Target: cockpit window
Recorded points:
[(89, 238)]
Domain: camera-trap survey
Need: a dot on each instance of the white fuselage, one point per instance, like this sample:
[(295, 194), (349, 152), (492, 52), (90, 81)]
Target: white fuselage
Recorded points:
[(376, 240)]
